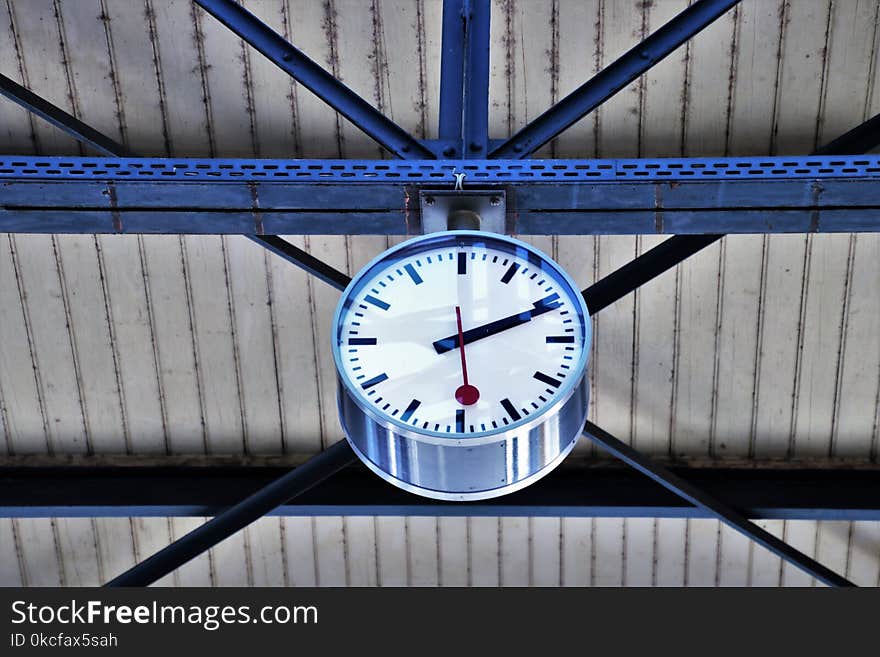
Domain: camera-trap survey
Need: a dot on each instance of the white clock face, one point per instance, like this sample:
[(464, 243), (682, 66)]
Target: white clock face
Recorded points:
[(461, 334)]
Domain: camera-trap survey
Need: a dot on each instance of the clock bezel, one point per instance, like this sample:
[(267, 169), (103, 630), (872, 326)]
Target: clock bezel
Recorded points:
[(476, 438)]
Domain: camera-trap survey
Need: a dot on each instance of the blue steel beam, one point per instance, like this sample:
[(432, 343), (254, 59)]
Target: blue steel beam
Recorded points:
[(699, 497), (464, 78), (295, 63), (576, 489), (669, 196), (61, 119), (612, 78), (452, 43)]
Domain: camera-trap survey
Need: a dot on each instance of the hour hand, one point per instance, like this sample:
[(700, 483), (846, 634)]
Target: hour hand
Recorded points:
[(451, 342)]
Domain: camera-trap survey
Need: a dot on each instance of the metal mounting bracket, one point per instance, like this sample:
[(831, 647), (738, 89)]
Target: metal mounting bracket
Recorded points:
[(438, 207)]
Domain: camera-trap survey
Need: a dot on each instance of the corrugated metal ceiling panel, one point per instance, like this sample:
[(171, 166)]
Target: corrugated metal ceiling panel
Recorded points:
[(382, 551)]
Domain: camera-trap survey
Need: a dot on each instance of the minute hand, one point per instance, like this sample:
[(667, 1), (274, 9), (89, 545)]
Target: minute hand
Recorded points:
[(545, 305)]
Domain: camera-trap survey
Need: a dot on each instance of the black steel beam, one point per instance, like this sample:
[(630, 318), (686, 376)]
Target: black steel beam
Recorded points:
[(698, 496), (612, 78), (860, 139), (332, 91), (60, 119), (575, 489), (647, 266), (235, 518), (303, 260)]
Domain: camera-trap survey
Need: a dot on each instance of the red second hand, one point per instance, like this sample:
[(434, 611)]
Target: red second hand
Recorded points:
[(465, 394)]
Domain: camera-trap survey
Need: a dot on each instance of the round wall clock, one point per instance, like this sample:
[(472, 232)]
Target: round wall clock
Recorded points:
[(461, 359)]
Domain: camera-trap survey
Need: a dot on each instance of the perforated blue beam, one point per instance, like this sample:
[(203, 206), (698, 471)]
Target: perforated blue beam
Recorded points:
[(678, 196)]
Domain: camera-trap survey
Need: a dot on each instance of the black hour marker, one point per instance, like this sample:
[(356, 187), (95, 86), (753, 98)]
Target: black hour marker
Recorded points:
[(376, 302), (462, 263), (549, 380), (407, 414), (547, 304), (413, 274), (511, 411), (459, 420), (376, 379), (361, 341), (551, 339), (509, 273)]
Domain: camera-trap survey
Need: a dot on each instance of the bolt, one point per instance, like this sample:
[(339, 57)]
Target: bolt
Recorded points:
[(495, 201), (644, 54), (475, 146), (287, 56), (518, 148), (429, 201), (449, 151), (405, 148)]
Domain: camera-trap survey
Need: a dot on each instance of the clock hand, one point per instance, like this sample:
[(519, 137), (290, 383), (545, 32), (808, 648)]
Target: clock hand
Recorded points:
[(465, 394), (451, 342)]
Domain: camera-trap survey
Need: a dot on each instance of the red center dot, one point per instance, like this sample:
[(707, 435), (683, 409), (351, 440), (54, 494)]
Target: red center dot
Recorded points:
[(467, 395)]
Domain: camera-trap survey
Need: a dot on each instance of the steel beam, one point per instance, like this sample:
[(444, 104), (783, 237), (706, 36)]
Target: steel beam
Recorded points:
[(860, 139), (235, 518), (575, 489), (60, 119), (647, 266), (282, 197), (453, 43), (464, 78), (613, 78), (670, 253), (303, 260), (86, 134), (701, 498), (296, 63)]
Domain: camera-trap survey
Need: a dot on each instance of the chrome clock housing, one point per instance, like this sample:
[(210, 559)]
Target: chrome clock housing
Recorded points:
[(464, 465)]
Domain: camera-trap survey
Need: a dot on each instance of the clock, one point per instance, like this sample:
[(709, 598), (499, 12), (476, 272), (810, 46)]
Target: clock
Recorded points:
[(461, 359)]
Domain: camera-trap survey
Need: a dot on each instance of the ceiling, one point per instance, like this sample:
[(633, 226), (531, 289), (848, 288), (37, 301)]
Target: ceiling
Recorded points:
[(758, 347)]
